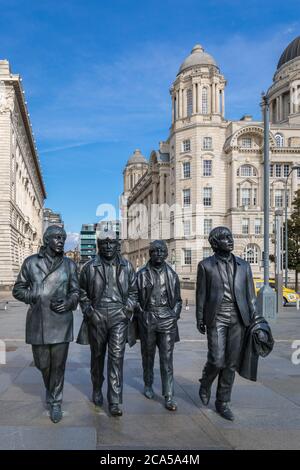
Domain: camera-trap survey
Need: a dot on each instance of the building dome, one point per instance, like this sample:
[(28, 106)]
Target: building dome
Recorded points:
[(137, 157), (291, 52), (197, 57)]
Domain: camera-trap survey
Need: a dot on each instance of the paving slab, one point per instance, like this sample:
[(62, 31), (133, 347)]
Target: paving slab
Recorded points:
[(40, 438)]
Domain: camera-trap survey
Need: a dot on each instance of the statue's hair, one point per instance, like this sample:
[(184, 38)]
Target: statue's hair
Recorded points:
[(215, 235), (53, 229)]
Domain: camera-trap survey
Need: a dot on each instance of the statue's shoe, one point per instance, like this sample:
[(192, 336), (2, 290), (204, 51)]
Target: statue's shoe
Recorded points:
[(170, 403), (115, 410), (224, 410), (55, 413), (148, 392), (204, 394), (98, 398)]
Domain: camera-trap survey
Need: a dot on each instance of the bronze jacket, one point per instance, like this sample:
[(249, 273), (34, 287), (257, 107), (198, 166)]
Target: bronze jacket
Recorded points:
[(43, 325), (145, 285), (92, 283), (210, 290)]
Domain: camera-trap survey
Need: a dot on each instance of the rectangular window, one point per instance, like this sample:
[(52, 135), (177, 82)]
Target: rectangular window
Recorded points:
[(187, 256), (207, 143), (207, 226), (207, 167), (246, 170), (279, 197), (189, 102), (187, 228), (246, 197), (245, 226), (257, 226), (246, 142), (186, 197), (186, 145), (207, 252), (207, 193), (186, 169), (254, 196), (286, 170), (271, 171), (278, 170)]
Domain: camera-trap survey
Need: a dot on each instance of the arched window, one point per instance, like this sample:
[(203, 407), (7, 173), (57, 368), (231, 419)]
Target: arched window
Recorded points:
[(204, 101), (279, 140), (247, 170), (189, 102), (251, 254)]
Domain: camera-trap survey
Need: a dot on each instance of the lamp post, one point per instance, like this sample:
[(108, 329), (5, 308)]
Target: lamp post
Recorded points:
[(278, 257), (294, 167), (266, 299)]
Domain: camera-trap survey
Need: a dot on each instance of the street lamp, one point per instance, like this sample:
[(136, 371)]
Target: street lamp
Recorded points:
[(294, 167), (266, 299)]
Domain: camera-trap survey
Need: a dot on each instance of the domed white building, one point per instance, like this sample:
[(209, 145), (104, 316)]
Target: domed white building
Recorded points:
[(209, 172)]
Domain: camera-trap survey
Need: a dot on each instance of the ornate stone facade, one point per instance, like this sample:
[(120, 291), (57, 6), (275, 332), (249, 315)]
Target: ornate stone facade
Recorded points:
[(210, 169), (22, 190)]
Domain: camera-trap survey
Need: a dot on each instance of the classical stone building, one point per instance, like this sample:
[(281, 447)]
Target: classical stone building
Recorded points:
[(51, 218), (210, 170), (22, 190)]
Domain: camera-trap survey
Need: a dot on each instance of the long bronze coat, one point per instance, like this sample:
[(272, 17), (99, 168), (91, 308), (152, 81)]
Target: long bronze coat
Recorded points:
[(43, 325)]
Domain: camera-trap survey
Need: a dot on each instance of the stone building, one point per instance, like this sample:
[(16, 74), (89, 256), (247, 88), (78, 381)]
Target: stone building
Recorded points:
[(209, 171), (51, 218), (22, 190)]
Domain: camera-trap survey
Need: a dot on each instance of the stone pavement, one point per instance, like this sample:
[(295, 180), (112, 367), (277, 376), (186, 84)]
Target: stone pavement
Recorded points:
[(267, 412)]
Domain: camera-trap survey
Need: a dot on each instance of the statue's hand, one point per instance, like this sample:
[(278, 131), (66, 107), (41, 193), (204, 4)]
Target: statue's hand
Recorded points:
[(61, 305), (201, 328), (262, 336)]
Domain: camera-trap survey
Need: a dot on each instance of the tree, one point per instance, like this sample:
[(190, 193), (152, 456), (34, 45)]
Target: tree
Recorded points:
[(294, 238)]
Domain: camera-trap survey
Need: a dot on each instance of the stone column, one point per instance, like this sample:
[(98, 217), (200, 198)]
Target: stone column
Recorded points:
[(280, 108), (223, 103), (154, 193), (180, 103), (161, 188), (194, 98), (277, 109), (233, 183), (173, 109), (184, 103), (213, 98), (217, 99), (294, 182), (291, 100), (199, 94)]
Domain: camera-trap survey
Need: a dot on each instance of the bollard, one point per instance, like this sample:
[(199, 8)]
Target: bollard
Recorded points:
[(298, 304), (187, 304)]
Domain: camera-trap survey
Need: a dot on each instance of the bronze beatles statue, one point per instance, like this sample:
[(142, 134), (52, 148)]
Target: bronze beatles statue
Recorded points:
[(48, 283), (107, 299), (225, 307), (160, 306)]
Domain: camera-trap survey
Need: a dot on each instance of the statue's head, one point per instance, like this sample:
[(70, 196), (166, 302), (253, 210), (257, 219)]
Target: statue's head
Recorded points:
[(158, 252), (54, 238), (221, 240), (108, 244)]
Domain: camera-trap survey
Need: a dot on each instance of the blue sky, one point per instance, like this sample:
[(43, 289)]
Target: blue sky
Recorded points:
[(97, 74)]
